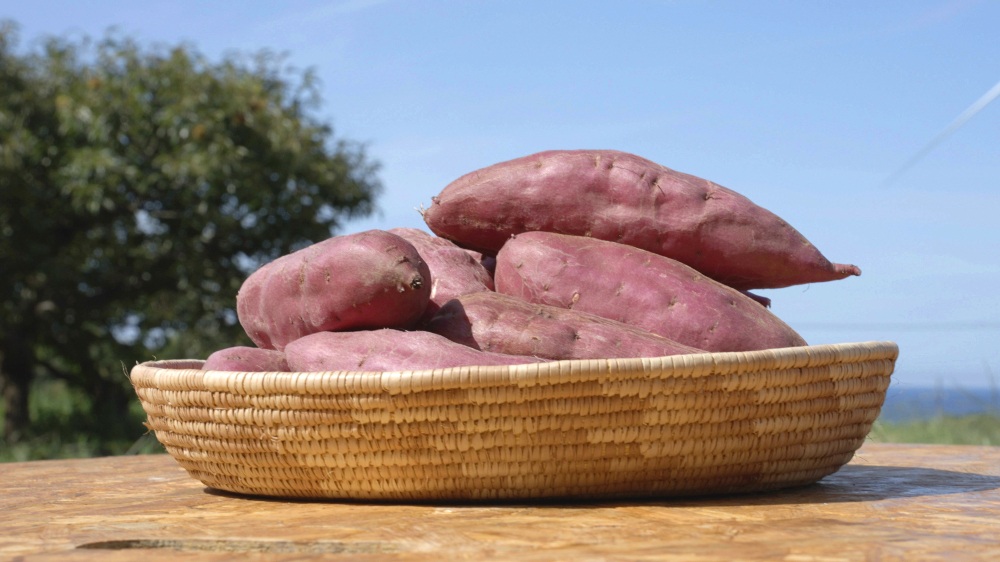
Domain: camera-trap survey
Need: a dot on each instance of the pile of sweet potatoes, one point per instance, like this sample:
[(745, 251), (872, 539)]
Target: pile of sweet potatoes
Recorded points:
[(559, 255)]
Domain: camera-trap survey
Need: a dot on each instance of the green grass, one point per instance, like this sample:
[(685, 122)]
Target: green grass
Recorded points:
[(58, 428), (974, 429)]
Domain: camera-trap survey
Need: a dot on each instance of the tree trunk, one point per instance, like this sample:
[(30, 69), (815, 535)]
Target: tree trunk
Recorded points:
[(16, 368)]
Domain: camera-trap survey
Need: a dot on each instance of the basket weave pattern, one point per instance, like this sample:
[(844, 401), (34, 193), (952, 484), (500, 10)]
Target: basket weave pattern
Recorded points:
[(688, 424)]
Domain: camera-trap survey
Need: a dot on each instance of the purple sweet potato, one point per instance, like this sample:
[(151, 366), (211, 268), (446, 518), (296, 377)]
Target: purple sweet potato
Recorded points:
[(454, 270), (246, 359), (624, 198), (506, 324), (387, 350), (637, 287), (371, 279)]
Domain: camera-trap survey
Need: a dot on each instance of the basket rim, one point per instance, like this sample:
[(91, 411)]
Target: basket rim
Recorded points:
[(181, 373)]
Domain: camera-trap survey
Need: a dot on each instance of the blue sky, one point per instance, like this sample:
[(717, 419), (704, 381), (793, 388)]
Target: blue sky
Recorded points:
[(805, 107)]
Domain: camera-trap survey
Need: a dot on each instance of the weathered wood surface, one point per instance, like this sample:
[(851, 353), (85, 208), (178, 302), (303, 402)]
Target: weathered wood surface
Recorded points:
[(892, 502)]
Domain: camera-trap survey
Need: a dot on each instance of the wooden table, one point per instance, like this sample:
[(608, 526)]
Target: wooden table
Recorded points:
[(893, 502)]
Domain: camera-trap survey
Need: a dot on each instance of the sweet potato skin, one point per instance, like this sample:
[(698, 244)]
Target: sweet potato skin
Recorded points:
[(371, 279), (246, 359), (506, 324), (387, 350), (621, 197), (646, 290), (454, 271)]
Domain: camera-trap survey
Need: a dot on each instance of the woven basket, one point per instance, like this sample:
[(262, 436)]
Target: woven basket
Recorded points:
[(691, 424)]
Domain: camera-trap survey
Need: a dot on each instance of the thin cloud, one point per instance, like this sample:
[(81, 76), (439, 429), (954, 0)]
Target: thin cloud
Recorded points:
[(962, 119)]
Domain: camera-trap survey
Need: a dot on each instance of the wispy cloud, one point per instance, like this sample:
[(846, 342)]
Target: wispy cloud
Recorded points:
[(962, 119)]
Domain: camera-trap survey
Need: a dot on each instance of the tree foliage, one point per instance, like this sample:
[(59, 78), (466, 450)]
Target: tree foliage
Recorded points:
[(138, 188)]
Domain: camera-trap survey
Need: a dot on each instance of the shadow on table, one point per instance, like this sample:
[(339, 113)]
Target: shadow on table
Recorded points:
[(863, 483), (852, 483)]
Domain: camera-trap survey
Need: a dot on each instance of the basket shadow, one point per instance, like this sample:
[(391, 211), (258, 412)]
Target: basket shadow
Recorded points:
[(860, 483), (852, 483)]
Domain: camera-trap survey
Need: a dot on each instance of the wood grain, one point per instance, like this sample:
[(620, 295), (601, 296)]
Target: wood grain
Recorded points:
[(892, 502)]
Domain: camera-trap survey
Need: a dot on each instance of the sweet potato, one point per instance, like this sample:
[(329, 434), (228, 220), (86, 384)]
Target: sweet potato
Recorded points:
[(248, 359), (637, 287), (506, 324), (454, 270), (624, 198), (371, 279), (387, 350)]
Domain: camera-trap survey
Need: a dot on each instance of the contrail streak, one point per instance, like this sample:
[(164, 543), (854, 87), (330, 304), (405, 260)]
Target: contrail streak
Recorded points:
[(971, 111)]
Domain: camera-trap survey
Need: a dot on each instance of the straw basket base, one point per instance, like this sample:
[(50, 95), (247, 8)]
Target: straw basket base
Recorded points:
[(712, 423)]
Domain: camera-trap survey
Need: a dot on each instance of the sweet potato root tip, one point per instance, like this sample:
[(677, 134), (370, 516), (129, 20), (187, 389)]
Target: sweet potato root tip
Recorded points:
[(453, 270), (763, 301), (847, 269)]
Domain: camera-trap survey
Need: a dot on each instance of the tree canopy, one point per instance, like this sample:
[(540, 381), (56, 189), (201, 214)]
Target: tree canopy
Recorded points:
[(138, 188)]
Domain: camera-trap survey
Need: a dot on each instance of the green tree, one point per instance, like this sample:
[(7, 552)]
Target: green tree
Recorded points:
[(138, 188)]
